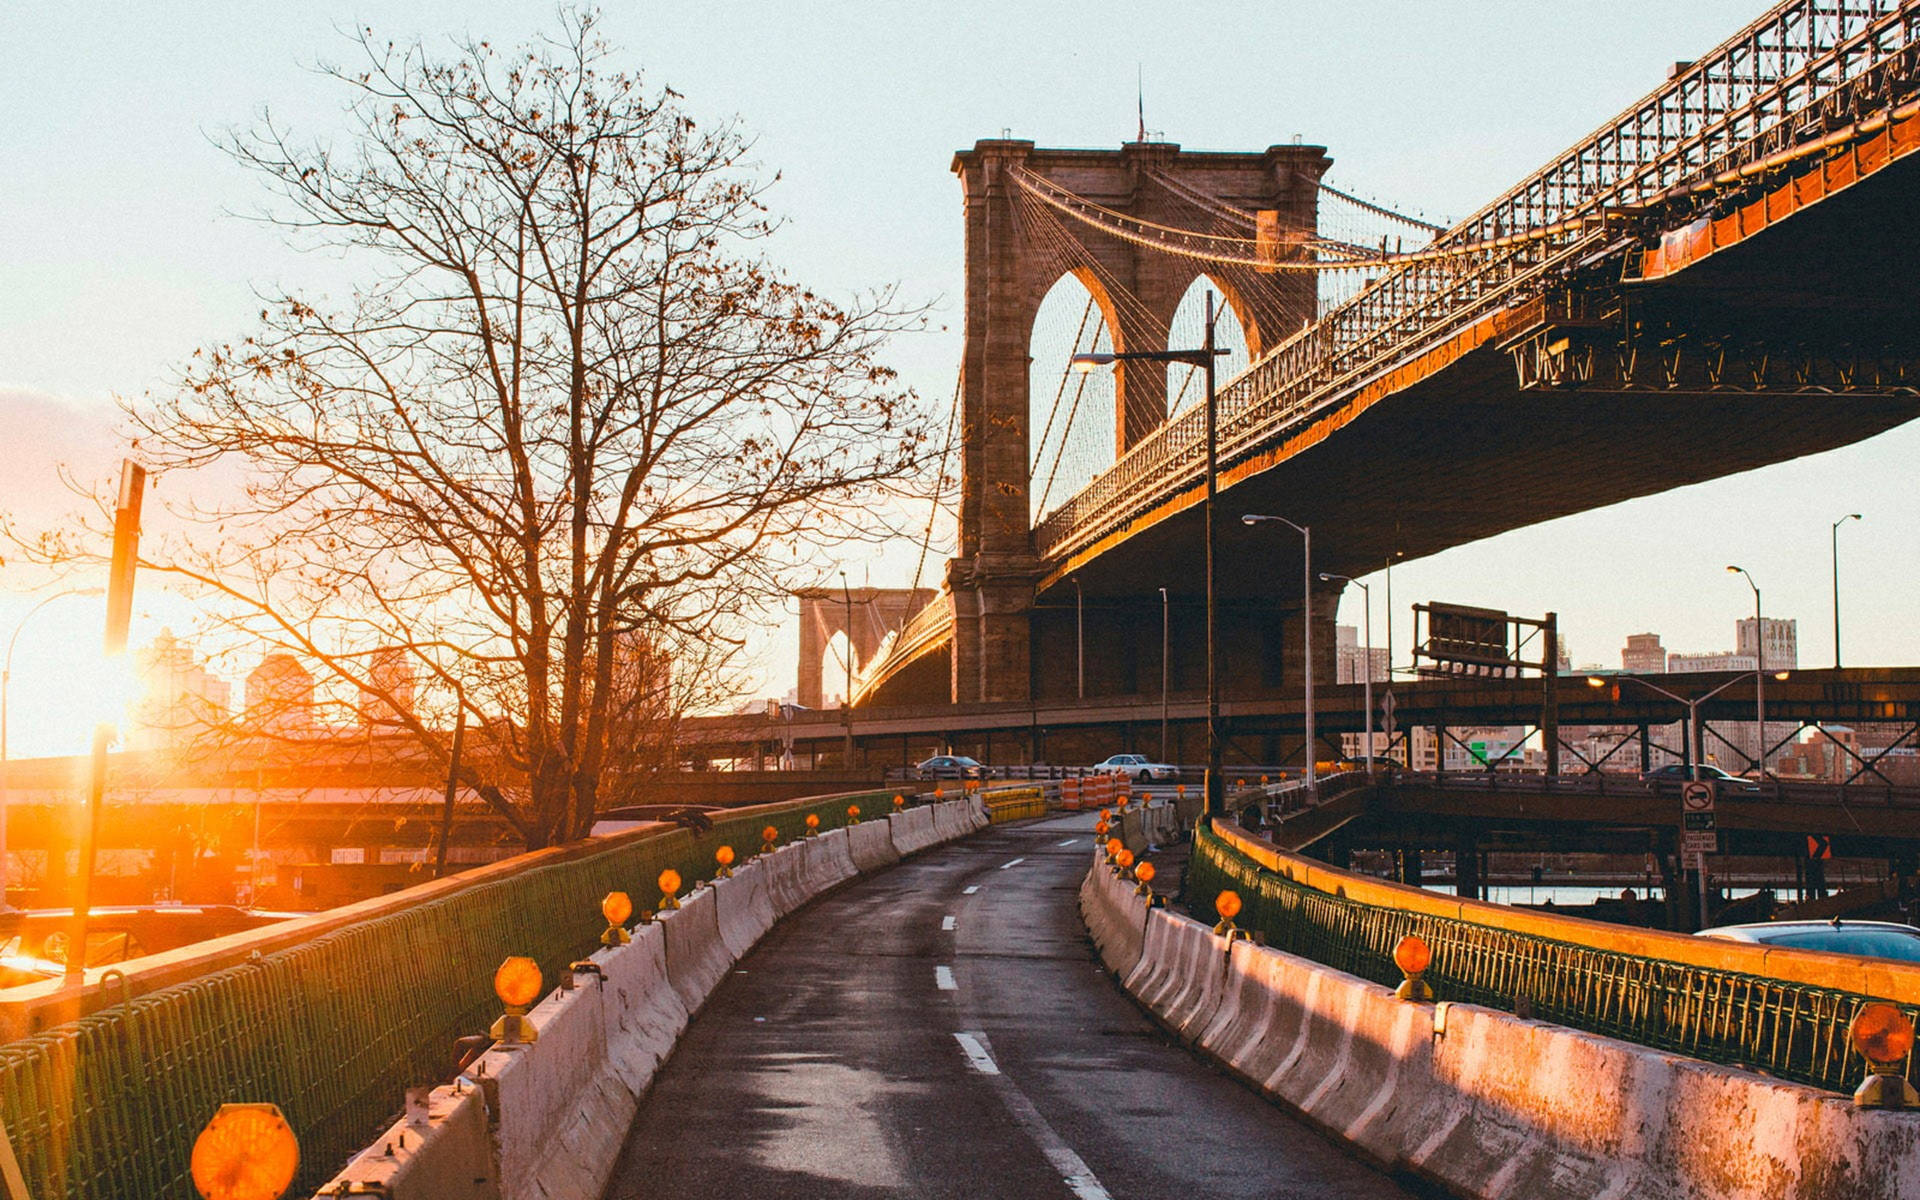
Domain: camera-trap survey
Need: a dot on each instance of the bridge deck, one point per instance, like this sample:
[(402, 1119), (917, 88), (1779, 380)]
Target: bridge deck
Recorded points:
[(828, 1065)]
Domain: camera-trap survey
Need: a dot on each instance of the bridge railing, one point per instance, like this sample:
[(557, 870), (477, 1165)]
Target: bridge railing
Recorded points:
[(1588, 977), (332, 1030), (1790, 76), (1616, 783)]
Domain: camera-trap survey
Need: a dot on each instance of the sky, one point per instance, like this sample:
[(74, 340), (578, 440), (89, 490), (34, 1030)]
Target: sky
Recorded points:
[(125, 239)]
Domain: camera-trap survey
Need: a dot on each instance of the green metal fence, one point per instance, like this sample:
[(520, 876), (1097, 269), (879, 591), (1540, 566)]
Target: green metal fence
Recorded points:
[(1790, 1030), (333, 1031)]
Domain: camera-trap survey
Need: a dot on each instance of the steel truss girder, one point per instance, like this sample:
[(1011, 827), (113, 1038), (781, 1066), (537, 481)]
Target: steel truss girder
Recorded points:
[(1634, 356)]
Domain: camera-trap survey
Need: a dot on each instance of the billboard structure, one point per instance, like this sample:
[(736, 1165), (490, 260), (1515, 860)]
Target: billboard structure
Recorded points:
[(1455, 641)]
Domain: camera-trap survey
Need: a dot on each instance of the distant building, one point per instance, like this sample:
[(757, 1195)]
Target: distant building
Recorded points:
[(390, 694), (1713, 660), (280, 695), (1781, 642), (1475, 749), (1643, 654), (1354, 663), (178, 699)]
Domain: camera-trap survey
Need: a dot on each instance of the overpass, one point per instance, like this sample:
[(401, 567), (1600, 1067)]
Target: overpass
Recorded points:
[(1264, 727), (1722, 255)]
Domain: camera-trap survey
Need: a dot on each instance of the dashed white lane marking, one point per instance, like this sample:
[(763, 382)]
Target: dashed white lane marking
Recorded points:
[(1071, 842), (1016, 862), (943, 979), (1074, 1172), (977, 1056), (946, 924), (970, 891)]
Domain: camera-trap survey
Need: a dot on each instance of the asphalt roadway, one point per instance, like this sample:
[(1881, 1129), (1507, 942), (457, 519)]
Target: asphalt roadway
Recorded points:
[(942, 1029)]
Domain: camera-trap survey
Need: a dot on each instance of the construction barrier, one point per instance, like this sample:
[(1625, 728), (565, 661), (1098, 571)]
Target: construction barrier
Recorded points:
[(562, 1105), (871, 845), (1781, 1009), (1487, 1104), (332, 1017), (744, 907), (697, 957), (1015, 804), (912, 830)]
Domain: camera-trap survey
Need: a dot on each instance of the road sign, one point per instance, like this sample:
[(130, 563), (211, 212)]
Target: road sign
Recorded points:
[(1819, 845), (1386, 715), (1696, 797), (1699, 834)]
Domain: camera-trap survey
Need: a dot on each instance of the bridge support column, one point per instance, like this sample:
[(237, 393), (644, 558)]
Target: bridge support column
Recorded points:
[(1466, 866), (992, 631)]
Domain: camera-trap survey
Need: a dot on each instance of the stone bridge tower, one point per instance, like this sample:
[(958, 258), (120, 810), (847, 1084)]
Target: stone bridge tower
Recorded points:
[(1008, 275), (872, 614)]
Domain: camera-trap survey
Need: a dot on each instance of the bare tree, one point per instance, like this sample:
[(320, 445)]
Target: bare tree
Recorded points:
[(567, 435)]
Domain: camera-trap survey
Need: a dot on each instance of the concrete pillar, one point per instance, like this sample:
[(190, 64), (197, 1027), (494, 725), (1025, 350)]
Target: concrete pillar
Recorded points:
[(1466, 865)]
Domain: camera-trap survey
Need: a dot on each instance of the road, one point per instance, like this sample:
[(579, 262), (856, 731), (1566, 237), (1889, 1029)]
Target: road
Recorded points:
[(943, 1030)]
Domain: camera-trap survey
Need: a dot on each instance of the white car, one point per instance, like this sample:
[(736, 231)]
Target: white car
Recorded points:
[(1138, 768)]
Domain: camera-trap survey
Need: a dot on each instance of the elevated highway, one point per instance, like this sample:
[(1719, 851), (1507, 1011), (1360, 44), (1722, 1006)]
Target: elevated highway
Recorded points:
[(1265, 728)]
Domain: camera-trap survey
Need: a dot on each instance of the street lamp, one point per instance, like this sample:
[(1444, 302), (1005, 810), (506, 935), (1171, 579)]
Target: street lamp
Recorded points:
[(1835, 532), (1390, 558), (1204, 359), (6, 677), (1165, 626), (1366, 658), (1693, 748), (1306, 621), (1759, 671)]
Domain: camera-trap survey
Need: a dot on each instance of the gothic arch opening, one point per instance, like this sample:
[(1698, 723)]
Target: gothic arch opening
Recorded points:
[(1185, 385), (833, 670), (1072, 414)]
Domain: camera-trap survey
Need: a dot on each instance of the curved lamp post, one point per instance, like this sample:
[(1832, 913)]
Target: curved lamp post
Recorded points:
[(1306, 623), (1366, 660), (1835, 539), (1759, 672), (1204, 359)]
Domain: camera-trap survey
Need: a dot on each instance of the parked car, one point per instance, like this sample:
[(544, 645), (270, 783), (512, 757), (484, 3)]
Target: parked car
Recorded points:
[(1874, 939), (950, 766), (19, 969), (120, 932), (1137, 767), (1675, 774)]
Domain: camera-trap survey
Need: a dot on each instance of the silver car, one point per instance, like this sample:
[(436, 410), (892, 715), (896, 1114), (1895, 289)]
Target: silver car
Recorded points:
[(1137, 768), (1875, 939)]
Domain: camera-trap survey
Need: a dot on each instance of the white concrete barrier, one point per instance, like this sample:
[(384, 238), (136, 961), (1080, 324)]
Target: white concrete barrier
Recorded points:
[(786, 877), (697, 958), (546, 1121), (952, 819), (441, 1150), (744, 909), (871, 844), (912, 830), (1117, 922), (829, 862), (1493, 1106)]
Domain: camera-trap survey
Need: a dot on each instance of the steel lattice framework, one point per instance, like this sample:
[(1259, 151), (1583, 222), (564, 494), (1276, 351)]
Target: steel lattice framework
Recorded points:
[(1797, 83)]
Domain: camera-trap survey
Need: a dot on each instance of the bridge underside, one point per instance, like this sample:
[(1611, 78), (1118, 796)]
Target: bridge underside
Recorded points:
[(1463, 452), (1795, 339)]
